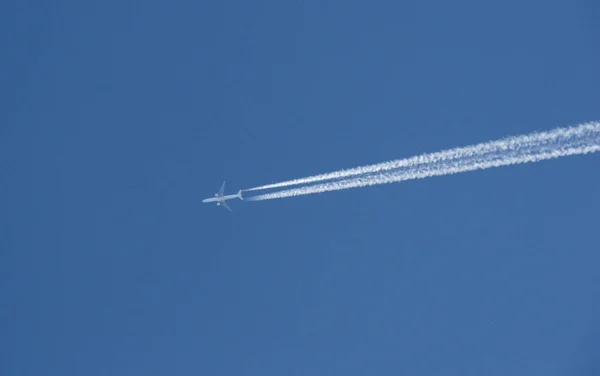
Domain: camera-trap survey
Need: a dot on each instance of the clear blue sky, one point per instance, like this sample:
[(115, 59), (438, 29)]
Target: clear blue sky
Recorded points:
[(119, 117)]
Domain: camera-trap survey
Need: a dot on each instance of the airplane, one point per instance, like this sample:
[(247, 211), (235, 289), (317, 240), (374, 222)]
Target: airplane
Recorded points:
[(220, 198)]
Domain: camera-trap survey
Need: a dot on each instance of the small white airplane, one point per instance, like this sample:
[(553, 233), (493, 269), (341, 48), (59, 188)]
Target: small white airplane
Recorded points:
[(220, 198)]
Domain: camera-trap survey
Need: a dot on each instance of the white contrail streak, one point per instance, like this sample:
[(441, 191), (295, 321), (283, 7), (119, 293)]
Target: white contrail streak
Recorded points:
[(505, 144), (582, 139)]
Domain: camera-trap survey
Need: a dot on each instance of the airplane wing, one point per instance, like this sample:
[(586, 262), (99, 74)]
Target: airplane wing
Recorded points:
[(226, 206), (221, 190)]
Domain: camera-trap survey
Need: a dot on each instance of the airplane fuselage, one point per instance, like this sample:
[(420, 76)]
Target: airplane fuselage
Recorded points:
[(220, 198)]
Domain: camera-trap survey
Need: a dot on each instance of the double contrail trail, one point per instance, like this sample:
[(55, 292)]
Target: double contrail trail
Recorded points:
[(581, 139)]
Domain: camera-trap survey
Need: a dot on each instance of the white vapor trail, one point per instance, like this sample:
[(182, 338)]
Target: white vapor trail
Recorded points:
[(582, 139), (505, 144)]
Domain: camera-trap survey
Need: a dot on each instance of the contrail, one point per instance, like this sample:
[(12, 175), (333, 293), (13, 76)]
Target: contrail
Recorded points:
[(582, 139), (509, 143)]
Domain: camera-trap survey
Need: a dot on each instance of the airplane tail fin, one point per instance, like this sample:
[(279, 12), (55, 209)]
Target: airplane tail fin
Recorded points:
[(239, 194)]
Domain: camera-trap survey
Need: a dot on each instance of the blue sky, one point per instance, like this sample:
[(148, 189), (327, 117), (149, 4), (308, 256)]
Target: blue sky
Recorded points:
[(119, 117)]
